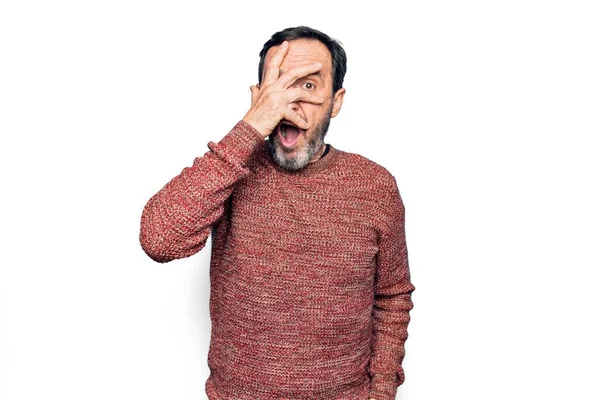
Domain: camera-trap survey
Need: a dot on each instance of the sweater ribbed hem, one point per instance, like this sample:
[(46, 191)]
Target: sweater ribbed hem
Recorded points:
[(214, 394), (383, 387)]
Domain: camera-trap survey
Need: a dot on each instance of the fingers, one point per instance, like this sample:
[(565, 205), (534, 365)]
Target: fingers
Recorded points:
[(295, 118), (272, 70), (254, 90), (298, 94), (287, 79)]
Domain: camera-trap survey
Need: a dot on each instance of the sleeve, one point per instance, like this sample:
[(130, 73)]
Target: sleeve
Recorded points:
[(177, 221), (392, 302)]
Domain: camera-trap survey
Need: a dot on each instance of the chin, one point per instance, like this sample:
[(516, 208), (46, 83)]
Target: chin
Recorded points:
[(293, 160)]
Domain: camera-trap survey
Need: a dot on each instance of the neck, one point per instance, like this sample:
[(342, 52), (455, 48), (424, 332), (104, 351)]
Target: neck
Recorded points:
[(319, 153)]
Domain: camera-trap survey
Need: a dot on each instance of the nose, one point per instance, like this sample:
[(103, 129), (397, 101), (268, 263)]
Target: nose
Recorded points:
[(294, 106)]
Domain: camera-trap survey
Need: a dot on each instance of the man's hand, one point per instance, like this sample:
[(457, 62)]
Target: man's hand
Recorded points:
[(270, 102)]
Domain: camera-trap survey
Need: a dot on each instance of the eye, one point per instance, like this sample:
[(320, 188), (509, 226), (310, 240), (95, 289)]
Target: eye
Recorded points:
[(309, 86)]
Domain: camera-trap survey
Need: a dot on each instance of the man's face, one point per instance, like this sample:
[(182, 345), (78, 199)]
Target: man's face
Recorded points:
[(309, 145)]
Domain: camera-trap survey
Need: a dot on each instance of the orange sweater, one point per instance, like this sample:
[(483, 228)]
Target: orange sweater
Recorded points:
[(310, 285)]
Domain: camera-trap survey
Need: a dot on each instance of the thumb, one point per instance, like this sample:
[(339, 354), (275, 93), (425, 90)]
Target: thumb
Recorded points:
[(254, 90)]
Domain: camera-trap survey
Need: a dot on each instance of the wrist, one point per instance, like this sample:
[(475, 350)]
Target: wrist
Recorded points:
[(258, 127)]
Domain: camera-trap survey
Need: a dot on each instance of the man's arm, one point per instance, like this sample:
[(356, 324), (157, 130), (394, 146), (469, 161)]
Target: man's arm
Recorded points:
[(392, 302), (177, 221)]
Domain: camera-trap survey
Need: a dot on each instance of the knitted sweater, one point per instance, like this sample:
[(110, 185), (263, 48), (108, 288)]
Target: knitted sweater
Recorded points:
[(310, 285)]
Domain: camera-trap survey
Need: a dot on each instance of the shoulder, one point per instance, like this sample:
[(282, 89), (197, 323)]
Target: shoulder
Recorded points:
[(376, 174)]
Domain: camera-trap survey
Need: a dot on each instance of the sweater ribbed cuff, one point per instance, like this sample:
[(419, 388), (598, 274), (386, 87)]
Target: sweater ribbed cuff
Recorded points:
[(383, 387), (239, 144)]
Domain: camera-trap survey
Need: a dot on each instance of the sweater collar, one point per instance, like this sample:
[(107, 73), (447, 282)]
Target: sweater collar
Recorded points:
[(312, 168)]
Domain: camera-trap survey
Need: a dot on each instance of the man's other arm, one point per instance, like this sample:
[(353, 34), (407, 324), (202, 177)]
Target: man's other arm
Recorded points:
[(177, 221), (392, 302)]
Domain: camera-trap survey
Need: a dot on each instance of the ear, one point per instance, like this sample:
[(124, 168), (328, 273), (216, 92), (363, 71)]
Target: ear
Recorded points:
[(338, 100)]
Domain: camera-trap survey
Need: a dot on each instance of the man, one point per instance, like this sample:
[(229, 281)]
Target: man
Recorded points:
[(310, 285)]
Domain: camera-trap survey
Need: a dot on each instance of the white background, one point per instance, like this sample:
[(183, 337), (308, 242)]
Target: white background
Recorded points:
[(486, 112)]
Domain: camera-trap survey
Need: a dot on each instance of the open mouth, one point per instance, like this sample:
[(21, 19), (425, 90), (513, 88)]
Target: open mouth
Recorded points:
[(288, 133)]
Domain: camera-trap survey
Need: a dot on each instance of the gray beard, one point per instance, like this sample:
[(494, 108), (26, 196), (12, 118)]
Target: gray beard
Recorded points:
[(303, 156)]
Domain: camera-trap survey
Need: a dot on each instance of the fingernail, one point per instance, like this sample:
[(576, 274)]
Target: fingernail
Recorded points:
[(283, 44), (318, 65)]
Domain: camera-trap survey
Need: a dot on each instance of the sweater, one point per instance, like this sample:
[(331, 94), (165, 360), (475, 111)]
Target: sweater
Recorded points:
[(310, 289)]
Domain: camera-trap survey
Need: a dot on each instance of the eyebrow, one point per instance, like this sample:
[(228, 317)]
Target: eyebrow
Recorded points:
[(318, 73)]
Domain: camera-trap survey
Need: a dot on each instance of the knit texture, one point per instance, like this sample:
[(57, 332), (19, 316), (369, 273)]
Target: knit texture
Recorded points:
[(310, 284)]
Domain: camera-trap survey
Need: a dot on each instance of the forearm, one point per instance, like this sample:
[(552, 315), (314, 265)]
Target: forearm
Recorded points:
[(177, 220), (390, 332)]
